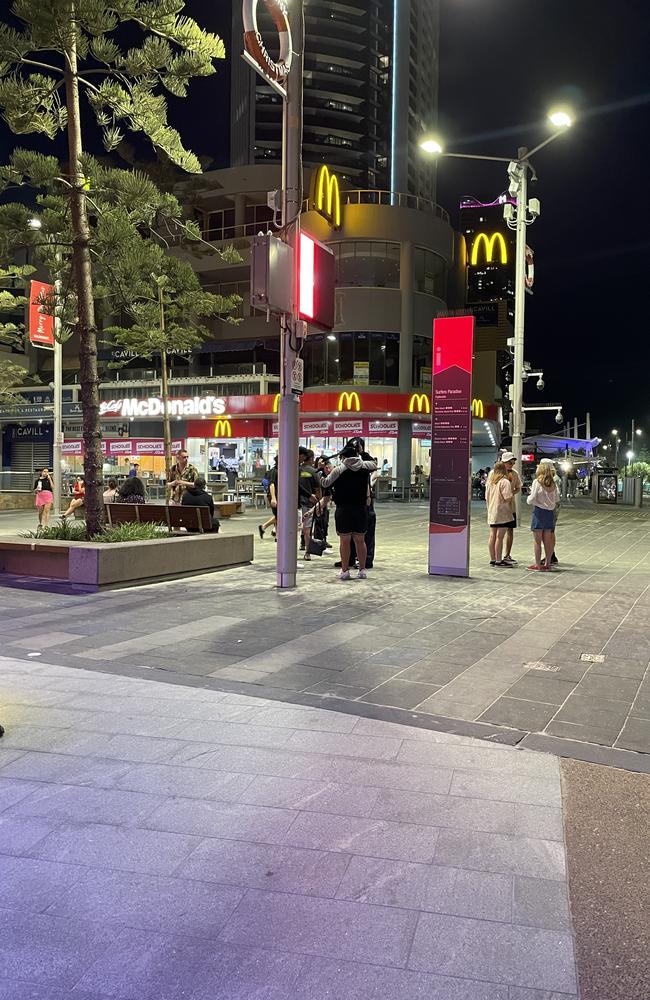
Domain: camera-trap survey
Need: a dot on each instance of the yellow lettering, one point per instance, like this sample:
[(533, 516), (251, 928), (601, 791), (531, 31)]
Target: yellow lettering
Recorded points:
[(349, 401), (326, 195), (419, 401), (489, 242)]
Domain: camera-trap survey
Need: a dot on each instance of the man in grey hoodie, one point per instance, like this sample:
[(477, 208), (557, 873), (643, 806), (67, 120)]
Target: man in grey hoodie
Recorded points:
[(349, 483)]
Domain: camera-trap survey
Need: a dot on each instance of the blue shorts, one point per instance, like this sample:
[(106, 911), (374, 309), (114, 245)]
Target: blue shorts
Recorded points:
[(543, 520)]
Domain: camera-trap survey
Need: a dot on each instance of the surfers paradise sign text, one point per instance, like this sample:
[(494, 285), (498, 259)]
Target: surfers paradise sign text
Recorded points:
[(193, 406)]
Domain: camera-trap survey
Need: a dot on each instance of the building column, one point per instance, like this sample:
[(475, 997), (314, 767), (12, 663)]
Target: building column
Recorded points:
[(404, 439), (406, 270), (240, 209)]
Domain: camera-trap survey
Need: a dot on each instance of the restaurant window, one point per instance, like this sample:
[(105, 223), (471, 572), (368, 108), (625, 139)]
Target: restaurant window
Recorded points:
[(367, 263), (352, 358), (430, 272)]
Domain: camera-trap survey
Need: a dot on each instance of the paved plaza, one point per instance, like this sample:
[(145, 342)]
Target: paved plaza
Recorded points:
[(214, 791), (555, 661)]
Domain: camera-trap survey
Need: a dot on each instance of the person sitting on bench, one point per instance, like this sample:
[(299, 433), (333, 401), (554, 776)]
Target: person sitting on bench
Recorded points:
[(197, 496)]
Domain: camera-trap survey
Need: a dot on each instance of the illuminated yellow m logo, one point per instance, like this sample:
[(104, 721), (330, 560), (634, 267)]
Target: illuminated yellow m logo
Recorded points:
[(222, 429), (489, 242), (349, 401), (276, 402), (326, 195), (477, 408), (419, 401)]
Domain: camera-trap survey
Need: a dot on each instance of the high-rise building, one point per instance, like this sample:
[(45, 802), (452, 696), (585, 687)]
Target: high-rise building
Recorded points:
[(490, 251), (370, 90)]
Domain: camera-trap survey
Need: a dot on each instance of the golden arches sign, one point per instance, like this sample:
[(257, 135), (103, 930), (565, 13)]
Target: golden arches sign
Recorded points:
[(419, 401), (223, 429), (489, 243), (477, 408), (349, 401), (276, 402), (325, 195)]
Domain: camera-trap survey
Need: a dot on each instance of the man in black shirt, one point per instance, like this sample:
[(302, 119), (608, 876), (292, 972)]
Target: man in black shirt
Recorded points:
[(197, 496), (309, 493), (350, 485)]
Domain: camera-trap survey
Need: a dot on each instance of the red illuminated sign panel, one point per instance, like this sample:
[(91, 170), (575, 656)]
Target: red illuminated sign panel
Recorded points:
[(315, 283), (41, 325), (451, 446)]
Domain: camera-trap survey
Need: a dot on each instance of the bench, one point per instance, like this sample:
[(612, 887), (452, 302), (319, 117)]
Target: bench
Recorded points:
[(226, 508), (196, 519)]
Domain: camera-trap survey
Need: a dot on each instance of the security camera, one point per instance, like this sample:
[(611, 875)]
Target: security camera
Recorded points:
[(508, 212), (524, 376), (535, 208), (514, 170), (558, 417), (540, 383)]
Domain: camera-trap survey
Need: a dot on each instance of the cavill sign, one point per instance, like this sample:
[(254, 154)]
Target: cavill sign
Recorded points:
[(194, 406)]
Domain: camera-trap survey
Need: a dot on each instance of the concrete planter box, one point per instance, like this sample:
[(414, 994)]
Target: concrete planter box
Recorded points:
[(91, 565)]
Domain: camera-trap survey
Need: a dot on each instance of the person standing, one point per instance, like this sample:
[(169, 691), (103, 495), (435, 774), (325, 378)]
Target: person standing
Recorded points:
[(350, 482), (44, 497), (556, 512), (498, 495), (309, 492), (508, 460), (272, 496), (182, 474), (543, 498)]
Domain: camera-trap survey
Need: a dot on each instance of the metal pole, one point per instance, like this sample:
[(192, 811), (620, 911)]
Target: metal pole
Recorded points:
[(58, 389), (520, 307), (588, 427), (575, 428), (286, 555)]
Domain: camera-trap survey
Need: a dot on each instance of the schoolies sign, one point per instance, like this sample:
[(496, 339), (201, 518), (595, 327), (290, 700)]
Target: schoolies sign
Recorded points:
[(194, 406)]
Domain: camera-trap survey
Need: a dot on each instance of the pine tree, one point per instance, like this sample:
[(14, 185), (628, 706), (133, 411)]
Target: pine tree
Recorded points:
[(50, 52)]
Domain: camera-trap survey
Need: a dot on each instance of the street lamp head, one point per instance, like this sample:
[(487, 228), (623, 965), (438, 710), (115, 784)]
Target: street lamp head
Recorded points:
[(34, 223), (429, 144), (639, 431), (629, 455), (560, 118), (614, 431)]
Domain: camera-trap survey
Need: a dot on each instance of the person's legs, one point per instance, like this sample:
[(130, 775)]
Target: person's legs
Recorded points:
[(362, 551), (548, 539), (306, 532), (39, 511), (46, 514), (492, 541), (498, 547), (344, 542), (370, 538), (72, 506), (509, 538), (537, 547)]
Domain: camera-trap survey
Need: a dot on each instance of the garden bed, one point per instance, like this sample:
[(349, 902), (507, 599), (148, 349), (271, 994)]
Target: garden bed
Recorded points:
[(96, 564)]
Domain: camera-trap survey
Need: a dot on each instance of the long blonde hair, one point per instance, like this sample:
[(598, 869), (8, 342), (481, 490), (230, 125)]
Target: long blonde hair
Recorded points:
[(499, 472), (545, 476)]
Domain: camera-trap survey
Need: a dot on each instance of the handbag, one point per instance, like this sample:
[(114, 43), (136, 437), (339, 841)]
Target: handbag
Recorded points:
[(317, 542)]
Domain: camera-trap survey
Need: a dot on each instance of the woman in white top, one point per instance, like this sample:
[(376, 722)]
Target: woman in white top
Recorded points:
[(498, 495), (543, 498)]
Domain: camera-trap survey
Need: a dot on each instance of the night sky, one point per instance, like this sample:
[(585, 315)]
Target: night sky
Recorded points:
[(503, 64)]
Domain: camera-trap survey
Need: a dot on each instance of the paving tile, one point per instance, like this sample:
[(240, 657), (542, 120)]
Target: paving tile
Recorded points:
[(12, 790), (20, 834), (370, 837), (298, 677), (325, 927), (310, 796), (615, 666), (142, 965), (517, 993), (399, 655), (78, 803), (189, 782), (234, 973), (541, 903), (381, 774), (67, 769), (332, 689), (166, 905), (400, 693), (477, 757), (42, 949), (584, 734), (346, 745), (434, 888), (635, 735), (12, 990), (266, 866), (519, 714), (539, 821), (124, 848), (445, 810), (545, 689), (353, 981), (501, 787), (230, 820), (305, 718), (608, 688), (31, 885), (432, 671), (495, 852), (502, 953)]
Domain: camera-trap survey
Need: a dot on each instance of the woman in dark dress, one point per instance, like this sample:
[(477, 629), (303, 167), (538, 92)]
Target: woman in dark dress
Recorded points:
[(131, 491)]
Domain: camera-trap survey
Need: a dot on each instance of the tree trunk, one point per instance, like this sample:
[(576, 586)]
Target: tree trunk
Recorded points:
[(83, 286), (167, 430)]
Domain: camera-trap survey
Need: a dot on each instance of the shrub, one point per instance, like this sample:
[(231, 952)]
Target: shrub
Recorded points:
[(63, 531), (69, 531)]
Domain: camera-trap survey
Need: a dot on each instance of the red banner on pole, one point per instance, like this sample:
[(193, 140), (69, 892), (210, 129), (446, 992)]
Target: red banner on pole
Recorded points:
[(41, 325)]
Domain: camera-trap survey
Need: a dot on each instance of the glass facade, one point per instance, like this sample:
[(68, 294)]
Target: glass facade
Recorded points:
[(366, 263), (430, 273), (359, 358)]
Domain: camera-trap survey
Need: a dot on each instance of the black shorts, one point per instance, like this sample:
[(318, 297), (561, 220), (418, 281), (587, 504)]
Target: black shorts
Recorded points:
[(351, 520)]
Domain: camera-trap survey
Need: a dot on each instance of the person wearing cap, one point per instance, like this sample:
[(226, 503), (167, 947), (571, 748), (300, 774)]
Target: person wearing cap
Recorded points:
[(514, 479)]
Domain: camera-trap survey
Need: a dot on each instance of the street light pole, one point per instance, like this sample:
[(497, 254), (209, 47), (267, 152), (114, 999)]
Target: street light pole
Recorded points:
[(518, 417), (58, 389), (287, 516)]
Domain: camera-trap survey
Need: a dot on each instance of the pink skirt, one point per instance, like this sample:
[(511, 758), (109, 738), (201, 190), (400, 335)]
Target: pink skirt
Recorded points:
[(43, 497)]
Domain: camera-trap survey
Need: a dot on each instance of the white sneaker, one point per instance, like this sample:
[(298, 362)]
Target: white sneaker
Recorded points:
[(344, 575), (362, 575)]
